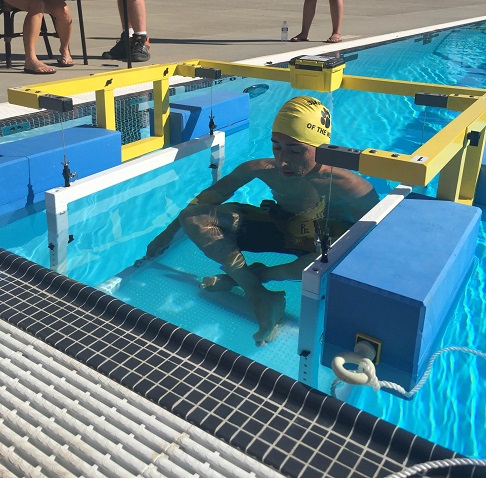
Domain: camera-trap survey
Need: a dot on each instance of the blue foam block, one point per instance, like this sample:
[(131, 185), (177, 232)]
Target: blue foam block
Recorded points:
[(399, 283), (31, 166), (189, 118)]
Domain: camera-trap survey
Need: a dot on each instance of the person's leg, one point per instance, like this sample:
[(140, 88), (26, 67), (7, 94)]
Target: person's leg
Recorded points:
[(137, 16), (337, 11), (64, 26), (140, 43), (122, 14), (31, 31), (213, 229), (309, 11), (119, 50)]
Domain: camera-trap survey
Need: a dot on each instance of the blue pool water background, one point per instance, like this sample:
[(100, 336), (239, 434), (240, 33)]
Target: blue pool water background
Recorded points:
[(112, 228)]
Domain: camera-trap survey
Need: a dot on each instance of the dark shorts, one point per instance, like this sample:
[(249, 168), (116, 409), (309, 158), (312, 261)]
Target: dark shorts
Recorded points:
[(262, 229)]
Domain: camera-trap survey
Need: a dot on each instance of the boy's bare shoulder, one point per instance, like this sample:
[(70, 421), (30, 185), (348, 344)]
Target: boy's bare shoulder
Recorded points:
[(258, 165)]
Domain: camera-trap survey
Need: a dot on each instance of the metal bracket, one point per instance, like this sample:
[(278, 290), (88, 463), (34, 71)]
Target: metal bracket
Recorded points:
[(56, 103), (431, 99), (338, 156), (473, 137), (211, 73)]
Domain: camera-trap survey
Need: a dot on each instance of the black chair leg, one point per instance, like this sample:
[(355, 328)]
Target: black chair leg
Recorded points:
[(8, 53), (7, 36), (44, 34), (81, 29)]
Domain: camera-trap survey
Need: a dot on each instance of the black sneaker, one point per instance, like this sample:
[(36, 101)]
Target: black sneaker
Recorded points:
[(118, 52), (140, 45)]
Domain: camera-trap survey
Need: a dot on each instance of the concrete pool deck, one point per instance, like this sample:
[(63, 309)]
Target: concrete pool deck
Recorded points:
[(228, 30)]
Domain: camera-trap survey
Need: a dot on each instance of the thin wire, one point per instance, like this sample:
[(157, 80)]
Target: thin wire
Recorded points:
[(63, 140), (423, 126), (329, 200), (211, 96)]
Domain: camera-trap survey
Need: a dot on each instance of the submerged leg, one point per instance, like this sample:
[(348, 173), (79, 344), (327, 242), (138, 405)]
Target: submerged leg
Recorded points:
[(268, 306), (213, 229), (223, 282)]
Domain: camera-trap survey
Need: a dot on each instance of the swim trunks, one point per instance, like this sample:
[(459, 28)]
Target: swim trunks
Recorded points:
[(269, 228)]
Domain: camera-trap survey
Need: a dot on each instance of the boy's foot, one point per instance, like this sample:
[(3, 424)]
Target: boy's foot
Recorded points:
[(269, 309), (223, 282), (118, 52), (140, 46)]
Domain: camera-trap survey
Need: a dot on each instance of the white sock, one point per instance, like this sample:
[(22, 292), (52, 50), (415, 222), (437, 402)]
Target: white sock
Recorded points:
[(140, 33)]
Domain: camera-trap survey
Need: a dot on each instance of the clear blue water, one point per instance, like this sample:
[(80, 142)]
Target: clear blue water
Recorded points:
[(112, 228)]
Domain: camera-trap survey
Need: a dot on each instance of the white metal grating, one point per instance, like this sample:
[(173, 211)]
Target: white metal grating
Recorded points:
[(61, 418)]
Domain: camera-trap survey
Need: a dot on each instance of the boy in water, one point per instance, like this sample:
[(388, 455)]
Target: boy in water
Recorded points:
[(285, 224)]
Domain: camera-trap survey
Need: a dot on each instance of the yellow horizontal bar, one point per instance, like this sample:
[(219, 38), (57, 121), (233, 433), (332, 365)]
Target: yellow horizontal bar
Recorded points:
[(28, 95), (403, 88), (440, 149), (392, 166), (25, 96), (458, 102), (250, 71), (141, 147)]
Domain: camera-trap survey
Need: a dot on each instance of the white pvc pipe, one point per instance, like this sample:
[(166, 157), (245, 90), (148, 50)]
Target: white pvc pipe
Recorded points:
[(58, 199)]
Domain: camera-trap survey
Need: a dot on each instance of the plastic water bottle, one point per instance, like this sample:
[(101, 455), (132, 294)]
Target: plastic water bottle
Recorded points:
[(285, 32)]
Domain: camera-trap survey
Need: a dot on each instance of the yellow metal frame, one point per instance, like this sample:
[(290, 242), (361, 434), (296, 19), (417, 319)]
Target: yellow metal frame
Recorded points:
[(449, 152)]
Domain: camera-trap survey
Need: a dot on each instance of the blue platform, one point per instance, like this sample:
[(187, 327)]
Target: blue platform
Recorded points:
[(31, 166), (399, 284), (189, 118)]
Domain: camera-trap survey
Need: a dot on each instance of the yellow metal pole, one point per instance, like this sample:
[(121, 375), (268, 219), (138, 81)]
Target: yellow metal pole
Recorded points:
[(105, 109), (450, 177), (141, 147), (161, 110), (250, 71), (472, 166), (403, 88)]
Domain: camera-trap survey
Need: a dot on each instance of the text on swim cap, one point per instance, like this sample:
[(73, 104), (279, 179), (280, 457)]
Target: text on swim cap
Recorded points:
[(320, 130)]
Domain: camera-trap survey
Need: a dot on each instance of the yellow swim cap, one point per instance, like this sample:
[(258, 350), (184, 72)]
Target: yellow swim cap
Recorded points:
[(305, 119)]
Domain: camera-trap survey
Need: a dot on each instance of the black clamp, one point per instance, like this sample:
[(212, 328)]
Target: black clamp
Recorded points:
[(211, 73), (431, 99), (67, 174), (56, 103)]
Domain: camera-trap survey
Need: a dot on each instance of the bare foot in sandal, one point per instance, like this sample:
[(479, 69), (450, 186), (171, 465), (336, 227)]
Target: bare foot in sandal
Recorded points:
[(36, 67), (65, 61), (334, 38)]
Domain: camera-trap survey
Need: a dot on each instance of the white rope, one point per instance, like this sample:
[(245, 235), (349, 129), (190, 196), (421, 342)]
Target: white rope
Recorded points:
[(434, 465), (367, 367)]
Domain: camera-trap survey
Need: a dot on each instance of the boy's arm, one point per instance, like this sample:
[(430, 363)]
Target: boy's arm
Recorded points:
[(215, 194)]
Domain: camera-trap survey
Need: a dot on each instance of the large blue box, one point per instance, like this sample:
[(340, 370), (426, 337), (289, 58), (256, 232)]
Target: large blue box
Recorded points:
[(399, 284), (31, 166), (189, 118)]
